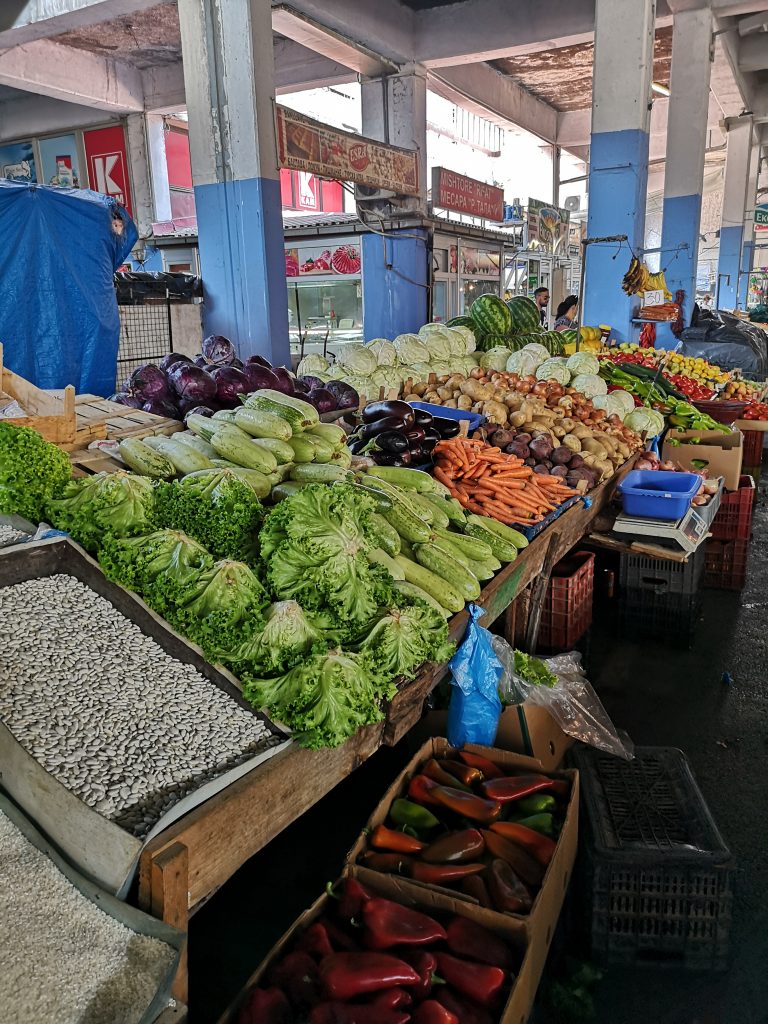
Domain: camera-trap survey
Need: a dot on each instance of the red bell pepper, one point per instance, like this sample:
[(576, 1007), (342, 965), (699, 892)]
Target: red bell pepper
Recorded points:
[(316, 941), (474, 886), (297, 975), (455, 848), (433, 771), (467, 1012), (515, 787), (341, 941), (467, 804), (383, 838), (432, 1012), (425, 965), (478, 982), (265, 1006), (508, 894), (522, 863), (442, 874), (390, 924), (465, 773), (353, 896), (422, 791), (488, 768), (349, 1013), (391, 999), (348, 975), (388, 863), (539, 846), (470, 940)]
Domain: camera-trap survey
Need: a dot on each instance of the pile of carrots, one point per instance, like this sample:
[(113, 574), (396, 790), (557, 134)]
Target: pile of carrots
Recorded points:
[(489, 482)]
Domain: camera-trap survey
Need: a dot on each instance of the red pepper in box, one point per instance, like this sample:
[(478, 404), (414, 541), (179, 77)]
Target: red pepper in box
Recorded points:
[(466, 774), (353, 896), (467, 939), (455, 848), (438, 774), (467, 804), (391, 999), (348, 975), (265, 1006), (315, 941), (442, 874), (478, 982), (422, 790), (474, 886), (347, 1013), (388, 863), (390, 924), (539, 846), (432, 1012), (508, 893), (466, 1011), (383, 838), (425, 965), (340, 940), (297, 975), (515, 787), (522, 863), (488, 768)]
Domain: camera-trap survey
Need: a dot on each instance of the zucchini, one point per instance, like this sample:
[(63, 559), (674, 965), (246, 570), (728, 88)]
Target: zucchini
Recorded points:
[(285, 490), (301, 415), (263, 424), (203, 426), (155, 440), (406, 549), (382, 500), (224, 415), (449, 569), (185, 459), (280, 449), (323, 450), (440, 518), (145, 460), (331, 433), (224, 463), (282, 472), (486, 570), (204, 447), (234, 444), (342, 457), (407, 523), (454, 552), (303, 449), (258, 482), (421, 507), (414, 479), (313, 474), (471, 546), (386, 535), (501, 548), (411, 590), (435, 586), (501, 530), (376, 555)]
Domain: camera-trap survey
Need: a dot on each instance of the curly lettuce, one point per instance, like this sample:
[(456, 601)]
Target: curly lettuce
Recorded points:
[(31, 471), (106, 504), (222, 606), (288, 635)]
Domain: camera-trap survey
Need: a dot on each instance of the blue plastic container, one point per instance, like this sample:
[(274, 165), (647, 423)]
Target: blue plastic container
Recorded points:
[(652, 494), (474, 418)]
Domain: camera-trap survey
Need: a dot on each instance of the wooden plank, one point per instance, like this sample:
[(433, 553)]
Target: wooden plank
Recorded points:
[(168, 902), (539, 592)]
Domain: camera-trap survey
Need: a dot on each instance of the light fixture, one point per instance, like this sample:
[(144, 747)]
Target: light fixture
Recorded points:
[(660, 88)]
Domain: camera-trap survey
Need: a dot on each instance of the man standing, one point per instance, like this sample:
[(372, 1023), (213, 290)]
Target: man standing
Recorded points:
[(541, 298)]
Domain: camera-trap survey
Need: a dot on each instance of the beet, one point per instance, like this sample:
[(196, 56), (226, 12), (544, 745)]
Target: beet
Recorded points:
[(562, 455)]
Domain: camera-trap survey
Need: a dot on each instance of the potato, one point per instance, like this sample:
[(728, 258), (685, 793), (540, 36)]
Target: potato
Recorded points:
[(476, 391), (568, 424), (558, 432), (451, 404), (589, 444), (517, 419), (464, 402), (413, 397), (496, 412), (420, 388), (445, 393), (572, 442)]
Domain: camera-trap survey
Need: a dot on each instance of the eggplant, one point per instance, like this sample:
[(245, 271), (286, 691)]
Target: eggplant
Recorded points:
[(369, 430), (418, 455), (384, 459), (402, 410), (446, 428), (356, 444), (416, 435), (422, 418), (391, 442)]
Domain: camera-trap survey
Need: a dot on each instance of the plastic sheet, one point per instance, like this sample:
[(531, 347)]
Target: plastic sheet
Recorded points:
[(475, 708), (727, 342), (59, 250), (134, 286)]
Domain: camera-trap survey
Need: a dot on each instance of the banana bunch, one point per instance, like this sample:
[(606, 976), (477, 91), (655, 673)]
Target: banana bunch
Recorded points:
[(657, 283), (635, 279)]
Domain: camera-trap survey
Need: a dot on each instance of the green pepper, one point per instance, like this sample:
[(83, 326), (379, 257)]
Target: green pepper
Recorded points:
[(543, 823), (406, 813), (536, 803)]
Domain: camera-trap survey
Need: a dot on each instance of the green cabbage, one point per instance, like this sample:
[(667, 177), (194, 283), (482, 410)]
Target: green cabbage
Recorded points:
[(523, 363), (495, 359), (93, 507), (386, 377), (468, 337), (313, 365), (538, 351), (617, 403), (583, 362), (357, 359), (643, 420), (385, 351), (420, 370), (411, 349), (554, 369), (589, 384), (439, 342)]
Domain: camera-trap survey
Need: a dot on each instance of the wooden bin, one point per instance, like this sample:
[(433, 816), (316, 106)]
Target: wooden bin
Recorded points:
[(51, 417)]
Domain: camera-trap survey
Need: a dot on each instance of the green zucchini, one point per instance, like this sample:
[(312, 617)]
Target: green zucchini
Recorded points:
[(434, 585), (450, 569), (224, 415), (401, 476), (224, 463), (185, 458), (311, 473), (301, 415), (203, 426), (331, 433), (145, 460), (303, 449), (411, 590), (387, 536), (440, 517), (204, 447), (280, 449), (263, 424), (342, 457), (471, 546), (382, 500), (501, 530), (421, 507), (155, 440), (407, 523), (323, 450), (285, 490), (234, 444), (501, 548), (450, 549), (259, 483), (486, 570), (376, 555)]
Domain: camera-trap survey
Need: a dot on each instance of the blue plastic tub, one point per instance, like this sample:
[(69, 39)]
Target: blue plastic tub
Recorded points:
[(474, 418), (652, 494)]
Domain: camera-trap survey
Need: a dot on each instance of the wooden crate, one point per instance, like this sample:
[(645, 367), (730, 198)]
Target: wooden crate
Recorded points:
[(53, 418)]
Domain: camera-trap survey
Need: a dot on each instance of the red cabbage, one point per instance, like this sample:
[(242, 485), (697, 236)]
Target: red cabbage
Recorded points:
[(322, 399), (218, 350), (300, 387), (261, 361), (173, 357), (198, 410), (161, 407), (345, 395), (259, 377), (311, 382), (123, 398), (237, 364), (148, 382), (200, 361), (284, 380), (230, 384), (192, 382)]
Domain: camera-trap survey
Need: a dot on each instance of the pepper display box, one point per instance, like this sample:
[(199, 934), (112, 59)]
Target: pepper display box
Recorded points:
[(531, 730), (539, 924), (721, 452), (520, 1000)]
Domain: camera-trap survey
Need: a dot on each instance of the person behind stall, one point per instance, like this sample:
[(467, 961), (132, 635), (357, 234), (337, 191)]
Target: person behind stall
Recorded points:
[(541, 298), (565, 318)]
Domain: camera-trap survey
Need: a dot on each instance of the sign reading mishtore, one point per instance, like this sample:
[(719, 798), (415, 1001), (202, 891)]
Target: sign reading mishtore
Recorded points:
[(452, 191)]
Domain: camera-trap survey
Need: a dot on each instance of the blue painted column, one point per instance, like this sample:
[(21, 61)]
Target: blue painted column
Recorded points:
[(686, 145), (395, 278), (736, 200), (229, 80), (618, 163)]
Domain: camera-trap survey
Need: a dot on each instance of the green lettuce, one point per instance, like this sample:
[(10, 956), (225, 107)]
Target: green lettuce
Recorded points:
[(106, 504), (288, 635), (31, 471), (222, 606), (533, 670)]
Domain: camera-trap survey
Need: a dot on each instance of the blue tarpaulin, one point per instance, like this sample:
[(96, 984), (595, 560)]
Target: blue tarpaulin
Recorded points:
[(59, 322)]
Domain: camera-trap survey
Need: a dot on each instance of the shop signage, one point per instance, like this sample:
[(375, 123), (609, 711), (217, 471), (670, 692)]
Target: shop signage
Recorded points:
[(17, 162), (547, 226), (107, 159), (761, 214), (452, 191), (59, 164), (316, 148), (311, 260)]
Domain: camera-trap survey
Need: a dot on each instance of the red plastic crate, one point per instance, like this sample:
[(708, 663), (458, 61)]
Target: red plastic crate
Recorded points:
[(567, 612), (753, 447), (725, 567), (734, 517)]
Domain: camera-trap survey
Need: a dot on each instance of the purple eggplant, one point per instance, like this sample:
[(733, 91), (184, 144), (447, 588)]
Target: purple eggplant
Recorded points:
[(384, 459), (376, 410), (369, 430)]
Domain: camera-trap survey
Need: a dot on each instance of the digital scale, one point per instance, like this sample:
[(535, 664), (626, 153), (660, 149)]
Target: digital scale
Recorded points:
[(686, 533)]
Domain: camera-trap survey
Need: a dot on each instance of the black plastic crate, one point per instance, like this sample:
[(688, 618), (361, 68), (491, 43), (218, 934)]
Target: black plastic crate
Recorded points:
[(662, 575), (655, 864), (670, 619)]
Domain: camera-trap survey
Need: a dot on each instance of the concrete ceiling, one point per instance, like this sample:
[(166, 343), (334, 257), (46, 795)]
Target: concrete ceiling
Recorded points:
[(145, 39)]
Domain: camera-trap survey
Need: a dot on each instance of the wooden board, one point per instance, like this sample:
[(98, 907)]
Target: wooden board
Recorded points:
[(51, 417)]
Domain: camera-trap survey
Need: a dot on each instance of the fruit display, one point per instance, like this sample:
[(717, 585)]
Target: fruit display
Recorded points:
[(693, 367), (639, 278), (755, 411), (741, 390), (524, 314)]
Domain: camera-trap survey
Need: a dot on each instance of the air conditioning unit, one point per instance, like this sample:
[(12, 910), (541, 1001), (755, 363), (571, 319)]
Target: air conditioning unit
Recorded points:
[(365, 193), (573, 203)]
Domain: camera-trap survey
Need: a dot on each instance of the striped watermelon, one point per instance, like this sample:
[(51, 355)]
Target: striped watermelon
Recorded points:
[(569, 337), (525, 314), (490, 341), (491, 316), (553, 342), (462, 321)]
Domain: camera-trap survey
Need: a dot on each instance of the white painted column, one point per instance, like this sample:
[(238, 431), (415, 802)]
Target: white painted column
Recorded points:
[(229, 82), (737, 172), (748, 242), (618, 170), (158, 166), (141, 184), (686, 145)]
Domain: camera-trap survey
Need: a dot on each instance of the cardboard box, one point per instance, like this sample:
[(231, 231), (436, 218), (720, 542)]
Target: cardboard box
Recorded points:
[(520, 1001), (538, 925), (722, 452), (532, 731)]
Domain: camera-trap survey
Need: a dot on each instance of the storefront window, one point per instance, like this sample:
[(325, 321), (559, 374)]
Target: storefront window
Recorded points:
[(440, 302), (478, 287), (325, 310)]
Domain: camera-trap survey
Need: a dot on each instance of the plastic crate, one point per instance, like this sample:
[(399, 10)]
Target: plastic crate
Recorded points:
[(567, 612), (658, 870), (755, 472), (734, 517), (726, 564), (662, 575), (753, 447), (670, 619)]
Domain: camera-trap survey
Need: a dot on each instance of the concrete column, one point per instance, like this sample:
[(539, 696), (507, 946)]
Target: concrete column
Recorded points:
[(394, 283), (737, 170), (748, 244), (686, 144), (229, 82), (141, 185), (618, 171), (158, 165)]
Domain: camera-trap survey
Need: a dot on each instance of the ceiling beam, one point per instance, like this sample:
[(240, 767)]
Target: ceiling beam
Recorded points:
[(753, 52), (30, 115), (326, 41), (164, 88), (22, 21), (753, 23), (297, 67), (383, 28)]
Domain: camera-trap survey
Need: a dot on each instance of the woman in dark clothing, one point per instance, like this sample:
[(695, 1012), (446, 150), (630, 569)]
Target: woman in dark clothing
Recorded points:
[(565, 318)]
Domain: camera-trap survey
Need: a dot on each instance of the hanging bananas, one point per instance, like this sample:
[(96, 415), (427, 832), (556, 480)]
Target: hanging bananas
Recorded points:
[(638, 278)]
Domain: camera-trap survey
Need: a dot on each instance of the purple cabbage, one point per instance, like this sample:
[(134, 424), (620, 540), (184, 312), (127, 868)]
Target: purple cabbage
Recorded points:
[(200, 361), (345, 395), (218, 350), (192, 382), (322, 399), (148, 383), (312, 382), (260, 361), (123, 398), (173, 357), (161, 407), (259, 377), (230, 384), (284, 380), (301, 388)]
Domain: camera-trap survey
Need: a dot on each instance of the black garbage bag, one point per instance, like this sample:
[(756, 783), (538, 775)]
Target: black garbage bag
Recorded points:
[(727, 342)]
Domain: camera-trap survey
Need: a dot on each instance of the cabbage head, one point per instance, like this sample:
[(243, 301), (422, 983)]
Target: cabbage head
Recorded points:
[(495, 358), (411, 349), (438, 341), (523, 362), (645, 420), (539, 352), (385, 351), (554, 369), (312, 365), (441, 367), (357, 359), (619, 403), (419, 371), (583, 362), (468, 335), (589, 384), (386, 377)]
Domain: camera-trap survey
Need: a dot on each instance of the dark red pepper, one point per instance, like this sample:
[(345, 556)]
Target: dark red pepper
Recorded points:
[(388, 863), (470, 940), (488, 768), (508, 893), (442, 874), (349, 1013), (391, 999), (341, 941), (467, 804), (383, 838), (478, 982), (466, 1011), (455, 848), (422, 791), (433, 771), (315, 941), (521, 862), (389, 924), (474, 886), (265, 1006), (465, 773), (297, 975), (425, 965), (515, 787), (348, 975), (432, 1012), (539, 846), (353, 896)]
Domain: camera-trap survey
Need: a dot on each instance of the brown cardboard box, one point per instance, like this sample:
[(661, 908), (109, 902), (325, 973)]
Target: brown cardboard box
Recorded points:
[(539, 924), (520, 1000), (531, 730), (722, 452)]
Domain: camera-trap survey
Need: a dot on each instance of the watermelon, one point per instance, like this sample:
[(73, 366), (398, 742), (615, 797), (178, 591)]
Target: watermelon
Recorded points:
[(553, 342), (491, 316), (525, 315), (462, 321), (490, 341), (569, 337)]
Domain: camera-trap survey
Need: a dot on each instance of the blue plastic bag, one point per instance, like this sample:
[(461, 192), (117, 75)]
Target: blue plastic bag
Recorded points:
[(475, 708)]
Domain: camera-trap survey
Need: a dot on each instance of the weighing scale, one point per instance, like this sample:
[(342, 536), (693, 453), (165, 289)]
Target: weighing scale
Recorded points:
[(686, 533)]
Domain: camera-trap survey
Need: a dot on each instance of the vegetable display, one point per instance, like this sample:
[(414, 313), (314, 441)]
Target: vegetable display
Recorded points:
[(392, 433), (31, 471), (118, 504)]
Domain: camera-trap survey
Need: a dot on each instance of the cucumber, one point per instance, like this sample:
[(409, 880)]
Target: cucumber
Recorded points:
[(301, 415), (449, 569), (440, 517), (204, 447), (382, 500), (387, 536), (263, 424), (281, 450), (407, 523), (234, 444), (449, 549), (329, 432), (435, 586), (303, 449), (285, 490), (501, 530), (411, 590), (145, 460), (471, 546), (224, 415), (314, 474), (501, 548), (421, 507), (403, 477), (185, 459), (203, 426), (486, 570), (376, 555)]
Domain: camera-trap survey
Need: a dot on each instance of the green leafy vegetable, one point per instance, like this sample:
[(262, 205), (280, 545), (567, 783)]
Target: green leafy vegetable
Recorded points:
[(533, 670), (222, 606), (31, 471), (117, 504), (287, 636)]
